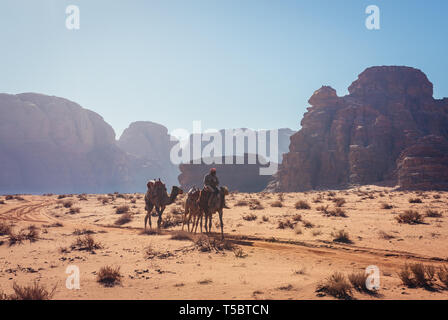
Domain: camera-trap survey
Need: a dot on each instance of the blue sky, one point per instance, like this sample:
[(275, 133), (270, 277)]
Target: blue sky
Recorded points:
[(245, 63)]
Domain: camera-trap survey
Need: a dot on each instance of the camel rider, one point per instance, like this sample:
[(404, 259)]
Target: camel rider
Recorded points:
[(211, 183)]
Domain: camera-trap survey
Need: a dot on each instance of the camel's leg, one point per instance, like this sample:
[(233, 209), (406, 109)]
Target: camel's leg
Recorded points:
[(185, 218), (148, 214), (159, 212), (222, 225), (210, 222)]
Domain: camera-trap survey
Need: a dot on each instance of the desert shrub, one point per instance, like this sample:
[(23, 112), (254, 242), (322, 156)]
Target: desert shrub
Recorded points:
[(331, 193), (74, 210), (297, 217), (302, 205), (241, 203), (410, 217), (417, 275), (125, 218), (80, 232), (9, 197), (206, 244), (358, 281), (442, 274), (239, 253), (87, 242), (430, 213), (415, 200), (31, 292), (323, 209), (386, 206), (283, 224), (277, 204), (2, 201), (337, 212), (307, 224), (250, 217), (339, 202), (67, 203), (385, 236), (122, 209), (205, 281), (255, 205), (82, 197), (336, 285), (181, 235), (436, 196), (341, 236), (16, 238), (109, 276), (265, 218), (5, 228), (171, 221)]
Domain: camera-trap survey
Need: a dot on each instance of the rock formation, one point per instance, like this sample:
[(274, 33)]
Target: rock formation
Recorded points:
[(50, 144), (389, 128)]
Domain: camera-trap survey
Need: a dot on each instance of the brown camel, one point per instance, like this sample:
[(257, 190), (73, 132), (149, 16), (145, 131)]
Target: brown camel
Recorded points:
[(157, 197), (215, 206), (192, 210)]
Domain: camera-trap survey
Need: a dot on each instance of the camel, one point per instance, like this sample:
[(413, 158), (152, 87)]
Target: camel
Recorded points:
[(216, 206), (157, 197), (192, 210)]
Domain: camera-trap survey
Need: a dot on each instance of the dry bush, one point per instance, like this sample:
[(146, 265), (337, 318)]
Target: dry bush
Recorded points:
[(410, 217), (323, 209), (436, 196), (417, 275), (171, 221), (317, 199), (339, 202), (430, 213), (5, 228), (31, 292), (239, 253), (297, 217), (79, 232), (341, 236), (206, 244), (255, 205), (442, 274), (302, 205), (133, 200), (415, 200), (9, 197), (87, 243), (288, 287), (307, 224), (16, 238), (241, 203), (125, 218), (205, 281), (250, 217), (331, 193), (277, 204), (103, 199), (358, 281), (386, 206), (122, 209), (385, 236), (82, 197), (337, 212), (74, 210), (67, 203), (336, 285), (2, 202), (283, 224), (109, 276), (182, 235), (265, 218)]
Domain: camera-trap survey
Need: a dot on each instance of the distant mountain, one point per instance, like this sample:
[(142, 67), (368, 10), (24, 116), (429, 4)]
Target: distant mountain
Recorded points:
[(50, 144)]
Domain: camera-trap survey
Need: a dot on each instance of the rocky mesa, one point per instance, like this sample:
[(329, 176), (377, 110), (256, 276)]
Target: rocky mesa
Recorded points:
[(388, 129)]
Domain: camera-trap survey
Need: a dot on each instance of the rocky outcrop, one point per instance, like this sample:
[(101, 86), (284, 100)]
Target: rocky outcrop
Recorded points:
[(50, 144), (424, 165), (358, 139), (151, 144), (242, 177)]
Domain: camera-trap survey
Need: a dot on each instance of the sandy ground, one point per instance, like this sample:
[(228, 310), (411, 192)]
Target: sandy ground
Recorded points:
[(275, 263)]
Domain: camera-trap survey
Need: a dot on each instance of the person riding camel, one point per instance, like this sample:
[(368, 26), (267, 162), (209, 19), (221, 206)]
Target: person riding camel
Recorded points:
[(211, 183)]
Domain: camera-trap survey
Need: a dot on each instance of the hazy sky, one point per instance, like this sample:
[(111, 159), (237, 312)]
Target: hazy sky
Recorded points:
[(245, 63)]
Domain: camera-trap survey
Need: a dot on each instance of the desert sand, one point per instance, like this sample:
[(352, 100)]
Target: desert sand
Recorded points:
[(278, 251)]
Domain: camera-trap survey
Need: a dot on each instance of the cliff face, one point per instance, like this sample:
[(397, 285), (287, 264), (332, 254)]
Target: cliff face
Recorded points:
[(50, 144), (151, 144), (360, 138)]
